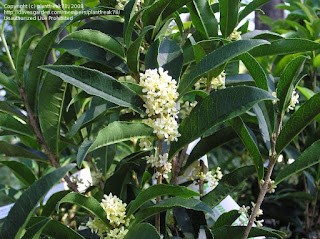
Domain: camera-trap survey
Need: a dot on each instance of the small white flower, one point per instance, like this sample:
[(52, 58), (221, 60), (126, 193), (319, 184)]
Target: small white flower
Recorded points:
[(219, 82), (235, 36), (293, 101), (115, 209), (186, 108)]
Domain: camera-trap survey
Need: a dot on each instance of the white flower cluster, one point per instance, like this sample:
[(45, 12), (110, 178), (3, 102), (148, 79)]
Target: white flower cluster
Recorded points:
[(161, 163), (212, 178), (245, 211), (216, 83), (145, 143), (160, 103), (271, 185), (235, 36), (186, 109), (116, 214), (293, 101)]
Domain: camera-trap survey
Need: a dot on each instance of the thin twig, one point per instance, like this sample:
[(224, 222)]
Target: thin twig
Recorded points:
[(3, 39)]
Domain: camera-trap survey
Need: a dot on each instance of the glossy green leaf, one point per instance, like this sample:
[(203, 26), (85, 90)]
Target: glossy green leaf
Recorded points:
[(51, 204), (298, 121), (203, 18), (34, 231), (21, 171), (159, 190), (88, 203), (169, 203), (98, 39), (285, 46), (9, 84), (288, 81), (307, 93), (10, 123), (226, 219), (251, 7), (249, 140), (218, 107), (173, 6), (130, 23), (208, 143), (12, 110), (23, 52), (16, 151), (142, 231), (308, 158), (228, 184), (51, 104), (170, 58), (133, 53), (215, 59), (228, 16), (39, 57), (236, 232), (97, 83), (18, 216), (152, 13), (256, 70)]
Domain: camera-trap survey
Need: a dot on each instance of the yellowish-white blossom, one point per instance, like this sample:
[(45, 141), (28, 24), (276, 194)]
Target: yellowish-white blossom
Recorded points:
[(293, 101), (235, 36), (186, 108), (211, 178), (219, 82), (161, 163), (117, 233), (145, 143), (115, 209)]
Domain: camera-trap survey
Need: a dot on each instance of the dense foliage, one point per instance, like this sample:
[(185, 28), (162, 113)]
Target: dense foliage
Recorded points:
[(172, 106)]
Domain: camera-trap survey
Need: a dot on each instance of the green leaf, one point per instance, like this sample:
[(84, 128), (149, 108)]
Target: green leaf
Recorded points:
[(21, 58), (173, 6), (208, 143), (9, 84), (251, 7), (21, 171), (97, 83), (228, 184), (203, 18), (298, 121), (88, 203), (159, 190), (256, 70), (133, 53), (12, 110), (188, 203), (288, 81), (228, 16), (152, 13), (11, 150), (98, 39), (217, 58), (308, 158), (236, 232), (170, 57), (19, 214), (10, 123), (39, 57), (226, 219), (142, 231), (34, 231), (51, 204), (118, 132), (130, 21), (52, 95), (249, 140), (285, 46), (218, 107)]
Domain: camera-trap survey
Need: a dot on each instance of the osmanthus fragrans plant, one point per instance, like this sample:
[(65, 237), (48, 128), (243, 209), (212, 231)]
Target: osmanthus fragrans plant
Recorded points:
[(125, 95)]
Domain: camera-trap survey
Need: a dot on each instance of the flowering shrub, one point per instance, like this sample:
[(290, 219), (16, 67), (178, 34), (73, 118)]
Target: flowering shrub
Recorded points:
[(178, 120)]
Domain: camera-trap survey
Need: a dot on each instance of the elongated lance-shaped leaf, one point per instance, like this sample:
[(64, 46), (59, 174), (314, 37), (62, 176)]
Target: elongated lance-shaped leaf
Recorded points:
[(226, 219), (12, 110), (228, 16), (298, 121), (216, 108), (52, 95), (88, 203), (34, 231), (97, 83), (215, 59), (208, 143), (188, 203), (133, 53), (9, 85), (39, 57), (249, 141), (173, 6), (99, 39), (19, 214), (159, 190), (21, 171), (203, 18), (285, 46), (10, 123), (17, 151), (20, 62), (288, 81), (251, 7), (152, 13), (256, 70), (129, 24), (142, 231), (308, 158)]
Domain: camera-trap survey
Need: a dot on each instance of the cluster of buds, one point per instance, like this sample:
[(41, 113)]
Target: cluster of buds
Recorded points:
[(244, 210), (161, 163), (216, 83), (116, 215), (212, 178), (186, 108)]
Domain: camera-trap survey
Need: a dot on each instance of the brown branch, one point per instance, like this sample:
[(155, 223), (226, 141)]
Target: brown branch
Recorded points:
[(40, 138)]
